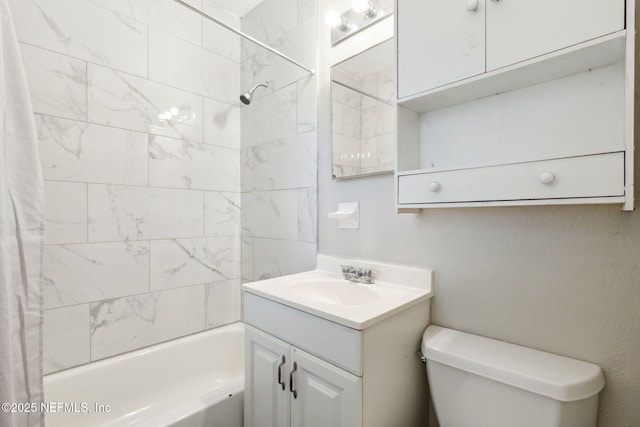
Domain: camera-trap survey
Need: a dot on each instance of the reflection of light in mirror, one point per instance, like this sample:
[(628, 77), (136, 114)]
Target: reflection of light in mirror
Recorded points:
[(354, 156)]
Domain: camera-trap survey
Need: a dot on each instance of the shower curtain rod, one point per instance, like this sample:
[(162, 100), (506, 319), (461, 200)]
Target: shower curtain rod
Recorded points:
[(248, 37)]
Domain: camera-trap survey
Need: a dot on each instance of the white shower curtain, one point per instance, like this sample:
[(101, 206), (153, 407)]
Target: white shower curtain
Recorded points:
[(21, 240)]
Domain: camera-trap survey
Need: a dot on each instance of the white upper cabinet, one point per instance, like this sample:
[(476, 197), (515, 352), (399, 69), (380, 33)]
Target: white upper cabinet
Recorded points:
[(440, 41), (514, 102), (444, 41), (519, 29)]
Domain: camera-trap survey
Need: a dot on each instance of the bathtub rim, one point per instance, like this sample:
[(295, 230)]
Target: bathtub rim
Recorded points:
[(151, 348)]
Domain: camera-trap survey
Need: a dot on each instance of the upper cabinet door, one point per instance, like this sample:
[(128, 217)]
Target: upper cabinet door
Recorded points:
[(439, 42), (521, 29)]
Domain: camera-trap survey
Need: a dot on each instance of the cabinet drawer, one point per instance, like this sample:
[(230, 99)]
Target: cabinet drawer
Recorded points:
[(599, 175)]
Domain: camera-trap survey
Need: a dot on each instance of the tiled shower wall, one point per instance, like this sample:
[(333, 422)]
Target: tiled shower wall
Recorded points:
[(139, 127), (279, 142)]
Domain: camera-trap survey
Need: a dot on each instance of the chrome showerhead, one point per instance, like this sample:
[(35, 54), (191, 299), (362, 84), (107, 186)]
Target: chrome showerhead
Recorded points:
[(245, 98), (248, 95)]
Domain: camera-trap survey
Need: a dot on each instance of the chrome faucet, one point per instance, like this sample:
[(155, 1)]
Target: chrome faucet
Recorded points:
[(357, 274)]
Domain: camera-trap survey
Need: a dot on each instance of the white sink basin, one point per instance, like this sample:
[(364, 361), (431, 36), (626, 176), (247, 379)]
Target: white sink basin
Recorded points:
[(340, 292), (323, 292)]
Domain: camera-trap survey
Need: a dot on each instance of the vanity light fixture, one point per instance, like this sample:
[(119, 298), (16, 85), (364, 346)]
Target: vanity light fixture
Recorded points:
[(362, 14), (335, 20), (366, 7)]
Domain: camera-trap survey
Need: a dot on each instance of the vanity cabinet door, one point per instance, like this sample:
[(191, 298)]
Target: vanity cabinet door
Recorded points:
[(266, 396), (325, 395), (439, 42), (520, 30)]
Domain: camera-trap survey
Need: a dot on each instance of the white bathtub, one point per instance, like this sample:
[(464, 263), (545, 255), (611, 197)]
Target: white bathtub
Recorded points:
[(194, 381)]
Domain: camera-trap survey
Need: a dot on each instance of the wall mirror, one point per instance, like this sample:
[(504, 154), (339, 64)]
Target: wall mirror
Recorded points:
[(363, 93)]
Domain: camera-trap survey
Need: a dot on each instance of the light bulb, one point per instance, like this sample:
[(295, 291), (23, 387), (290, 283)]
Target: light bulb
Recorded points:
[(366, 7), (333, 18), (361, 5)]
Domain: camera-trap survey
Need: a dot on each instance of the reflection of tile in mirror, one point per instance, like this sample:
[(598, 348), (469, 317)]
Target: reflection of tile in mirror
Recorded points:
[(371, 121), (361, 70), (347, 97), (370, 86), (386, 148), (346, 151), (337, 118), (352, 123), (369, 152)]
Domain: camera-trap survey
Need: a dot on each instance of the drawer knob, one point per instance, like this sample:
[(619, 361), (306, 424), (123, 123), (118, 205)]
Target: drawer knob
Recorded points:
[(547, 178), (472, 5), (433, 186)]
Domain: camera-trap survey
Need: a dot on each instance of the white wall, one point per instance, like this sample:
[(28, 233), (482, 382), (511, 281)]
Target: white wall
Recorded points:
[(143, 214), (560, 279)]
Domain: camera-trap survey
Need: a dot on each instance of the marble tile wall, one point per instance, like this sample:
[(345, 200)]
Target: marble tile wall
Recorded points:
[(140, 139), (279, 142)]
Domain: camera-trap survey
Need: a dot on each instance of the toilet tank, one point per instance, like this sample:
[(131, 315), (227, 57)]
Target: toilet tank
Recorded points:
[(481, 382)]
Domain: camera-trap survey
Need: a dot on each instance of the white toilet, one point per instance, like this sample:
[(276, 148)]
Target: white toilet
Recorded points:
[(480, 382)]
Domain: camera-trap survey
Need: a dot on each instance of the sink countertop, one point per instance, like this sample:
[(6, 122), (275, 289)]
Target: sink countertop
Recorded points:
[(396, 288)]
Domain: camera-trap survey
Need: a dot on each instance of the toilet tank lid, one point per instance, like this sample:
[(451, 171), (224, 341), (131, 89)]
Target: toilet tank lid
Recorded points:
[(547, 374)]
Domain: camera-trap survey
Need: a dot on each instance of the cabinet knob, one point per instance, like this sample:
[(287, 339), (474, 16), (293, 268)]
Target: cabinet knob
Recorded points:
[(547, 178), (433, 186), (472, 5)]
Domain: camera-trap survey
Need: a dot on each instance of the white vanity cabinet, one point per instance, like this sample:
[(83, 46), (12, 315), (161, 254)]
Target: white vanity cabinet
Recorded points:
[(289, 387), (328, 396), (302, 370), (266, 397), (443, 41), (504, 102)]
